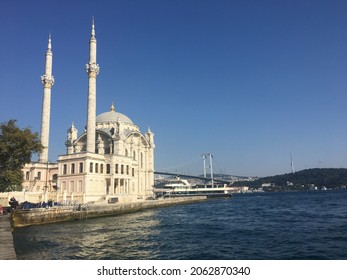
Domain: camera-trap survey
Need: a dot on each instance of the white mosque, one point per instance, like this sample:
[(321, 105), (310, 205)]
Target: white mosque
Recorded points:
[(110, 161)]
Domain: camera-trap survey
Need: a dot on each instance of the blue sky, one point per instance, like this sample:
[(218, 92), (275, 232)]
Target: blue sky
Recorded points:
[(248, 81)]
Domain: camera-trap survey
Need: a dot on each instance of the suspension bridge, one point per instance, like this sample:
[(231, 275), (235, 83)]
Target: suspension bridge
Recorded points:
[(207, 167)]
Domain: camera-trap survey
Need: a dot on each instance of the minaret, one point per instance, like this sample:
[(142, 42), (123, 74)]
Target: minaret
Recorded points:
[(292, 163), (72, 133), (47, 81), (93, 70)]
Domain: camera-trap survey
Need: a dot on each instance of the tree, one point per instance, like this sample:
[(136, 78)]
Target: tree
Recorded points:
[(16, 148)]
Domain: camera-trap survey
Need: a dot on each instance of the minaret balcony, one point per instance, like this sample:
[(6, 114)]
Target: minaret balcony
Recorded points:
[(92, 69), (47, 81)]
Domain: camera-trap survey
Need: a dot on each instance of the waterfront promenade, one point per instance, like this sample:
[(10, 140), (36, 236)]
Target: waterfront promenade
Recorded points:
[(22, 218), (7, 251)]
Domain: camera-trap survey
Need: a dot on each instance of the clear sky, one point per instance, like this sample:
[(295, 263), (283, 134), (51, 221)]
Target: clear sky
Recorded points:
[(248, 81)]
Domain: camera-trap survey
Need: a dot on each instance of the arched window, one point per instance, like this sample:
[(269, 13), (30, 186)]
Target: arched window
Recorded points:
[(64, 169), (96, 167), (79, 186), (27, 175), (116, 168), (126, 152), (134, 155), (72, 186), (72, 168), (108, 168), (101, 168), (81, 167), (91, 167), (39, 175)]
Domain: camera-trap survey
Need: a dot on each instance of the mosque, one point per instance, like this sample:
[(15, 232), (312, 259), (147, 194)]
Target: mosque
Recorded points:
[(110, 161)]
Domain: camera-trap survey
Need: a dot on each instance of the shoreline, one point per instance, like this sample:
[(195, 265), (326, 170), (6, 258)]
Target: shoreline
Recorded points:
[(39, 216)]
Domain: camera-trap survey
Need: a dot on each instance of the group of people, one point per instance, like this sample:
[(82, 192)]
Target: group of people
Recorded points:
[(14, 204)]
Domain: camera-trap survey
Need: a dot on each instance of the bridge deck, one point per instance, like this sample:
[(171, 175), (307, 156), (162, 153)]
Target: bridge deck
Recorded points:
[(191, 176)]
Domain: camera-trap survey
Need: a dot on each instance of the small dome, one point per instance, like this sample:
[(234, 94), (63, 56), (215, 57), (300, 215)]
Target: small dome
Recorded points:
[(112, 117)]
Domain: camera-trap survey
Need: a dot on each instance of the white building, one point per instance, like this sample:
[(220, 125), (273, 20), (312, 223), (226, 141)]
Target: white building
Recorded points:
[(122, 165), (112, 160)]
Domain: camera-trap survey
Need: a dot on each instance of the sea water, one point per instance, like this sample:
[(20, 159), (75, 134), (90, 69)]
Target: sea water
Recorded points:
[(269, 226)]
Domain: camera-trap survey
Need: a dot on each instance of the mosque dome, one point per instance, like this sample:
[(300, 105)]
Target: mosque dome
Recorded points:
[(112, 116)]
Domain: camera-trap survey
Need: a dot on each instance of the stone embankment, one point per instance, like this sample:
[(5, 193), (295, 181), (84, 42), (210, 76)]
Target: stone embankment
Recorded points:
[(7, 251), (22, 218)]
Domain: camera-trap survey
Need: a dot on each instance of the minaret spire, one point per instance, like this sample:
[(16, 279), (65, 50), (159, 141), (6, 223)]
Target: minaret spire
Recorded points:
[(49, 47), (92, 69), (93, 29), (47, 80)]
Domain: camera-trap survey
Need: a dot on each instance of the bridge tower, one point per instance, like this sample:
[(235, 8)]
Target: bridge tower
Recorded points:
[(204, 157)]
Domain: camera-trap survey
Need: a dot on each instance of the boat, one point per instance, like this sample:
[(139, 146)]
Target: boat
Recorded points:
[(181, 187)]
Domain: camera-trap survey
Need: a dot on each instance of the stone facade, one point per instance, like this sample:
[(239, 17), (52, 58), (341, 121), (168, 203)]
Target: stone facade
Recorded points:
[(122, 166), (40, 177)]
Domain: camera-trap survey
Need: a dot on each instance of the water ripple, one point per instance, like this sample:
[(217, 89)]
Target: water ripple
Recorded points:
[(309, 225)]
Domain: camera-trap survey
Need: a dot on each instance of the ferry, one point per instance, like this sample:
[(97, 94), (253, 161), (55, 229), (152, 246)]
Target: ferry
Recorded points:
[(180, 187)]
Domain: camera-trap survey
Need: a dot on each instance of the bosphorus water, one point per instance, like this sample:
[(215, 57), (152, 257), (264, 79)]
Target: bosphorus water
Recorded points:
[(293, 225)]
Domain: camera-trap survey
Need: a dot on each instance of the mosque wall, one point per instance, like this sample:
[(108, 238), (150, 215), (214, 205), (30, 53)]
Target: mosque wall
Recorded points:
[(40, 176)]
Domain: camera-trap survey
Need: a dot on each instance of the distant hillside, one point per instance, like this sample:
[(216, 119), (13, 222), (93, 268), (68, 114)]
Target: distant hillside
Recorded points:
[(328, 177)]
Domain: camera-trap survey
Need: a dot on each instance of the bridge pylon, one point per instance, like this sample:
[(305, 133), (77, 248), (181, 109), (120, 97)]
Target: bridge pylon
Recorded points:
[(204, 157)]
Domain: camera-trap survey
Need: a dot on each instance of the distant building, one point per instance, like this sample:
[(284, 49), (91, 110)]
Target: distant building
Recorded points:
[(112, 158), (267, 185), (239, 189)]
